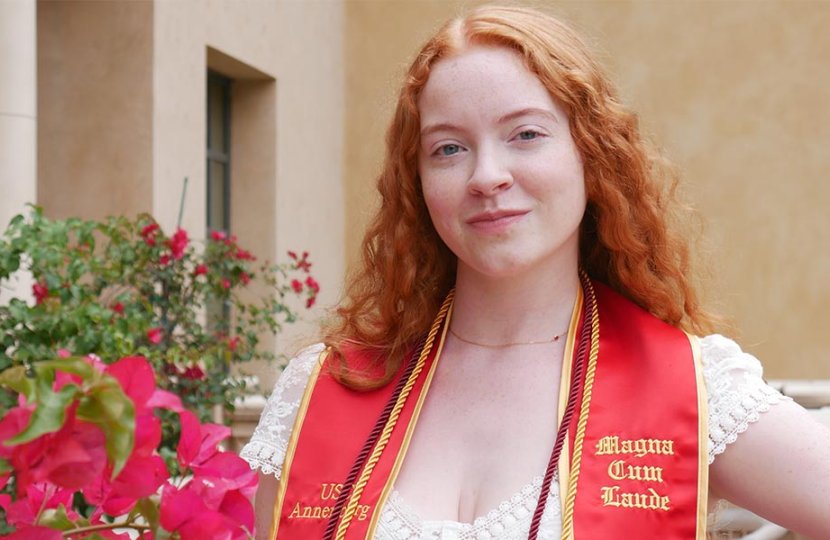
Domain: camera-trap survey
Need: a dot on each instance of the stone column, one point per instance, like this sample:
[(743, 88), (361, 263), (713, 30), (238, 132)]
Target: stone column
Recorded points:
[(18, 117)]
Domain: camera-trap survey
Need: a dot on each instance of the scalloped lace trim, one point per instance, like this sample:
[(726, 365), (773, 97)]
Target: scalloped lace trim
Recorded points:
[(737, 393), (508, 521), (267, 447)]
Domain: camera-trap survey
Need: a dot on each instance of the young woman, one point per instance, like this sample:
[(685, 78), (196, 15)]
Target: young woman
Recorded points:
[(516, 357)]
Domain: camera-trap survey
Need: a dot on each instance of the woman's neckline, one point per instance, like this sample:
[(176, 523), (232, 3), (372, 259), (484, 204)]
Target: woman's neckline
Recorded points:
[(399, 504)]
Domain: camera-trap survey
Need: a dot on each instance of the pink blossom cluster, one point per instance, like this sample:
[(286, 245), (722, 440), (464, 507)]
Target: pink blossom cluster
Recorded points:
[(211, 501)]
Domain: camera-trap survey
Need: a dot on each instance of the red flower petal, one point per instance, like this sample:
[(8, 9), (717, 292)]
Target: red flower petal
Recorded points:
[(165, 400), (155, 335), (237, 507), (35, 533), (190, 439), (135, 375)]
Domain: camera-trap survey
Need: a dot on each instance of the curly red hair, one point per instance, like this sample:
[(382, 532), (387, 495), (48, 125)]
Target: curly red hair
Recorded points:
[(627, 237)]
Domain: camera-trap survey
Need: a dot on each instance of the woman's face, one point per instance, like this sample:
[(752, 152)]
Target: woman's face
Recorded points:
[(501, 175)]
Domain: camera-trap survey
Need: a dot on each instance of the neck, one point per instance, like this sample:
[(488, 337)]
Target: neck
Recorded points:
[(533, 307)]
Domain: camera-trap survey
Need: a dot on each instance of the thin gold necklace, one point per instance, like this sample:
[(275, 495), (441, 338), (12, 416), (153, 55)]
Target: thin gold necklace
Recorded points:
[(505, 345)]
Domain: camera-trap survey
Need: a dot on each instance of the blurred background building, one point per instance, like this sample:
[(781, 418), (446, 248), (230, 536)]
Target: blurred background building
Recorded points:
[(275, 112)]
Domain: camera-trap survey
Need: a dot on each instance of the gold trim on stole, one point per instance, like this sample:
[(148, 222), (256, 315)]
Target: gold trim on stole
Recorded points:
[(587, 389), (292, 445), (564, 391), (703, 440), (387, 489)]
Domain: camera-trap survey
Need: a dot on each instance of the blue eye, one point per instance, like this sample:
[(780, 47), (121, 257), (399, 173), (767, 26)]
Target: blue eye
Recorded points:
[(528, 135), (449, 149)]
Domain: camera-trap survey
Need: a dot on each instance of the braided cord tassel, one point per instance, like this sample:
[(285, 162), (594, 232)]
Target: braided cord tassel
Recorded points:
[(567, 522), (383, 440), (570, 408)]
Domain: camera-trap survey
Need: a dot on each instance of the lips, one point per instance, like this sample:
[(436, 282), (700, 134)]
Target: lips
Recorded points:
[(495, 221), (494, 216)]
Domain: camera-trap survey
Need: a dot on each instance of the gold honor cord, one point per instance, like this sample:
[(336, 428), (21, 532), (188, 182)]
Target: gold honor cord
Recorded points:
[(567, 522), (354, 499)]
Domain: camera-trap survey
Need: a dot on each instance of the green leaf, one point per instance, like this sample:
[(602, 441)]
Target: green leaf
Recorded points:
[(107, 406), (50, 413), (5, 466), (150, 510), (16, 379), (56, 518), (75, 365)]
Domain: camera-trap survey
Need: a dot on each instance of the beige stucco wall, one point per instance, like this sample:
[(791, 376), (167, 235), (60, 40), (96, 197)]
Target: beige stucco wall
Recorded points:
[(95, 107), (18, 107), (18, 120), (737, 94)]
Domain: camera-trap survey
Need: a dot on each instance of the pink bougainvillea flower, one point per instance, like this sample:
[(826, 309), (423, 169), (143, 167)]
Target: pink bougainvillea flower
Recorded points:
[(64, 353), (312, 284), (203, 509), (226, 283), (233, 343), (303, 263), (227, 469), (310, 302), (95, 361), (40, 291), (178, 243), (297, 285), (148, 232), (35, 533), (147, 434), (135, 376), (293, 255), (244, 278), (194, 373), (244, 255), (141, 477), (155, 335), (197, 442), (164, 259), (200, 270), (70, 457), (5, 500), (118, 308), (165, 400), (217, 236), (36, 496)]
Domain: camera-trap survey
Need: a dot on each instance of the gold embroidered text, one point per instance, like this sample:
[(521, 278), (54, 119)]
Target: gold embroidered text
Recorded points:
[(613, 445), (652, 500), (620, 470)]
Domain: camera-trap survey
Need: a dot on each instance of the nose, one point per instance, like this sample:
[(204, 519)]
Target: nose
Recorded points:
[(491, 174)]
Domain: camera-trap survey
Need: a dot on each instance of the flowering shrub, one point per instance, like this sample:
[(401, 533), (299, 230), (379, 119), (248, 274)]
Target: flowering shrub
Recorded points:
[(123, 288), (79, 455)]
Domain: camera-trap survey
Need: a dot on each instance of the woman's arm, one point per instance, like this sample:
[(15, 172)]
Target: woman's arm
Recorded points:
[(780, 469), (264, 504)]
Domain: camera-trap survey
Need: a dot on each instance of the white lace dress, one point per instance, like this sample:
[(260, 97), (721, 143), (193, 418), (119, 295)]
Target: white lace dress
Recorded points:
[(737, 397)]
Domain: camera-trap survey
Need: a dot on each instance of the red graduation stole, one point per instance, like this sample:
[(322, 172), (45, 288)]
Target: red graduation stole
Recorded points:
[(635, 464)]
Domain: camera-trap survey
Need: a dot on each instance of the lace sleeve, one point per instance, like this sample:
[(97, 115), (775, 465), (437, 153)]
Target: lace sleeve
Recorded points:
[(267, 447), (737, 392)]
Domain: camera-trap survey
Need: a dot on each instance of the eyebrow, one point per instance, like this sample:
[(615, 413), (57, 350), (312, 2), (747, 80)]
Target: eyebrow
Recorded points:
[(528, 111)]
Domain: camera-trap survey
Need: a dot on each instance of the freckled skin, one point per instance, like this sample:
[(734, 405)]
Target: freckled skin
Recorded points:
[(480, 152)]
